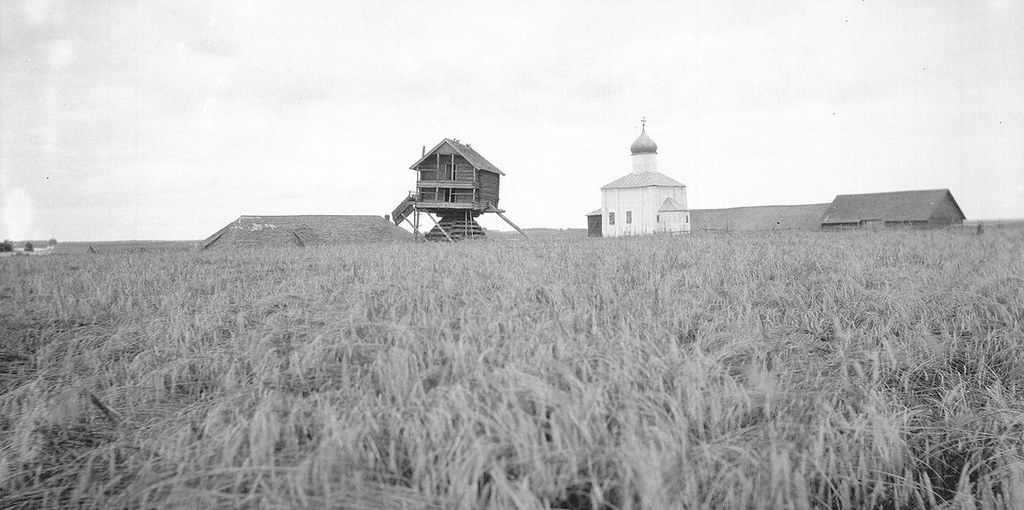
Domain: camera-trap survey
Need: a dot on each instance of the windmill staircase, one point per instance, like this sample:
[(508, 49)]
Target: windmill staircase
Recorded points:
[(404, 209)]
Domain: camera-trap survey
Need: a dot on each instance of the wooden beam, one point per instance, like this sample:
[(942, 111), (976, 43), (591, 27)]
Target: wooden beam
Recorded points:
[(500, 213), (446, 184), (415, 231)]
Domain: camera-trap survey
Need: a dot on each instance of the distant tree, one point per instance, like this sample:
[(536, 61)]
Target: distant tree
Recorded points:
[(52, 242), (29, 247), (7, 245)]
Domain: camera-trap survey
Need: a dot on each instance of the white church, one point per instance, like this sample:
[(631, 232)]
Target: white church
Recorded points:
[(645, 201)]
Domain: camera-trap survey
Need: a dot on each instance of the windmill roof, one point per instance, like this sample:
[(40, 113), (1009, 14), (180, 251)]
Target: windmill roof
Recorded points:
[(670, 204), (305, 230), (916, 205), (479, 162), (642, 180)]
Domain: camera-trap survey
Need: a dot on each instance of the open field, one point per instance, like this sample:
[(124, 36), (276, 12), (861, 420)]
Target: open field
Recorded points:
[(802, 370), (72, 247)]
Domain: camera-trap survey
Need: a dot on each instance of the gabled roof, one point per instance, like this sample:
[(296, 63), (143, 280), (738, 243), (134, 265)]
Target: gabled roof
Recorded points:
[(595, 212), (917, 205), (307, 230), (471, 155), (642, 180), (670, 205)]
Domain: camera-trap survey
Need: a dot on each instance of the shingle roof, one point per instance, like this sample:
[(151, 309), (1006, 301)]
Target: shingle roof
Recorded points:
[(670, 204), (642, 180), (307, 230), (595, 212), (767, 217), (917, 205), (471, 155)]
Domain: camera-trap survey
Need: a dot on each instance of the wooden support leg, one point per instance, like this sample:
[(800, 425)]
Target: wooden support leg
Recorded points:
[(502, 216)]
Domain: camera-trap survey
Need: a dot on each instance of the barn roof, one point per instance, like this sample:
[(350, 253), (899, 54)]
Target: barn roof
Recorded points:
[(917, 205), (642, 180), (596, 212), (471, 155), (670, 204), (306, 230), (766, 217)]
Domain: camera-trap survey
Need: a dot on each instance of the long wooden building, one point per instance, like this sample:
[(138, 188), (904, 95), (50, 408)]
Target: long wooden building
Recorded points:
[(930, 208), (304, 230)]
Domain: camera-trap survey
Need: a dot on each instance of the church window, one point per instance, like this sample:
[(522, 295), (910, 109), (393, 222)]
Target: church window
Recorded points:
[(629, 217), (687, 219), (611, 218), (657, 218)]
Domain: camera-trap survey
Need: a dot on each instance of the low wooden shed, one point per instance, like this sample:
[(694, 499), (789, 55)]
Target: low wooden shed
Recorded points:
[(594, 223)]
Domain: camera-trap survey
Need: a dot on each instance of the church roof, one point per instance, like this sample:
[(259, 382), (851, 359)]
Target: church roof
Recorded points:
[(643, 144), (670, 204), (642, 180), (471, 155)]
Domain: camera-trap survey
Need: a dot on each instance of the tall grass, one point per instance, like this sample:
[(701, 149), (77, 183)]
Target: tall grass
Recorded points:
[(799, 370)]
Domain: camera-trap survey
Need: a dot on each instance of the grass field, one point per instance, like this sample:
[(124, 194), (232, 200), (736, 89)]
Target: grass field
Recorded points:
[(787, 370)]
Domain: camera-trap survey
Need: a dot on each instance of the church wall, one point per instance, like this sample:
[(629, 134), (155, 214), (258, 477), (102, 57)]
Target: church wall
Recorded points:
[(674, 221), (620, 202)]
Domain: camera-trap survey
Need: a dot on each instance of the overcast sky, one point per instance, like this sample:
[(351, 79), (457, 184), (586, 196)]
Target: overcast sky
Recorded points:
[(167, 120)]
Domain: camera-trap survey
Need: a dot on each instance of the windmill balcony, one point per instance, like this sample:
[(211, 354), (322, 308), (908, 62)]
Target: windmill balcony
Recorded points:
[(454, 184)]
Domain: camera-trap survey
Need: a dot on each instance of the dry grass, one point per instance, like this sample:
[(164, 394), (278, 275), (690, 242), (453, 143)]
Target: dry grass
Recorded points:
[(799, 370)]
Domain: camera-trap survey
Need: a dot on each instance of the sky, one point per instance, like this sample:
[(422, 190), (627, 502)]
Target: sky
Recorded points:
[(167, 120)]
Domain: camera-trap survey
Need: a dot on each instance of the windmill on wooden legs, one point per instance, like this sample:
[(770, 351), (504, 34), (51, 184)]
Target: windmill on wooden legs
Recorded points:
[(455, 183)]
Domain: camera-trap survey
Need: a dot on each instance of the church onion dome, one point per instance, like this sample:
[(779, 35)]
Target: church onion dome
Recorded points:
[(643, 144)]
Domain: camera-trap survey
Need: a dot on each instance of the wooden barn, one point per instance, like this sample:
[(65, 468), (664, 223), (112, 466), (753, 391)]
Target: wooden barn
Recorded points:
[(457, 184), (302, 231), (933, 208)]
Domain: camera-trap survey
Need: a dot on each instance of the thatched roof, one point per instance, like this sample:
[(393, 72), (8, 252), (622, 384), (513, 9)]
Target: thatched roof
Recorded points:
[(312, 230), (917, 205), (472, 156), (766, 217), (642, 180)]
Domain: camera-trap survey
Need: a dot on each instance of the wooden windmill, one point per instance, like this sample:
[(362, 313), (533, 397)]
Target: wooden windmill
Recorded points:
[(456, 183)]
